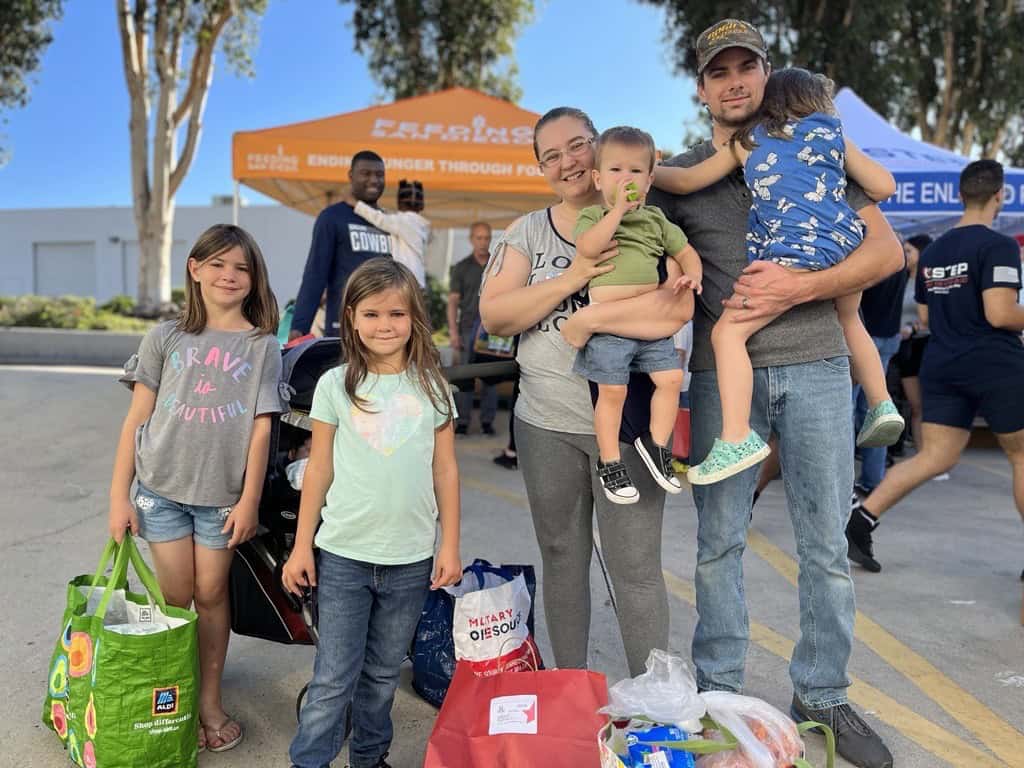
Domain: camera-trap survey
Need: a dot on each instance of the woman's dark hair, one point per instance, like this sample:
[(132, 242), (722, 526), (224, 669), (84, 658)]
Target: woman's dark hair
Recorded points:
[(790, 94), (558, 112), (259, 307)]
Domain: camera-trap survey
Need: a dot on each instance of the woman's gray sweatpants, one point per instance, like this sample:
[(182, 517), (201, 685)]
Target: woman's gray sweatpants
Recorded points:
[(559, 470)]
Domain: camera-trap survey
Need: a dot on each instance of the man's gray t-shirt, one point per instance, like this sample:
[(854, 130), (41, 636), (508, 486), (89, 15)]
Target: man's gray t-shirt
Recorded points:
[(210, 387), (551, 396), (464, 279), (715, 221)]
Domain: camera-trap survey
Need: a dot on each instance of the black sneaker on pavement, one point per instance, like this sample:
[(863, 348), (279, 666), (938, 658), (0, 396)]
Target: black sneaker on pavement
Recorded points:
[(487, 429), (461, 429), (859, 547), (658, 460), (506, 461), (856, 741), (615, 481)]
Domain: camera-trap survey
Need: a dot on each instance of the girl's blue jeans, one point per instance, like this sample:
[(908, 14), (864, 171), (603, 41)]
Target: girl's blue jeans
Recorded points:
[(368, 616)]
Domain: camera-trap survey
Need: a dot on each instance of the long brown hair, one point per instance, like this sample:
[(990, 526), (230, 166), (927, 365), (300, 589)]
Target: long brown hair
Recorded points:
[(422, 358), (259, 307), (790, 94)]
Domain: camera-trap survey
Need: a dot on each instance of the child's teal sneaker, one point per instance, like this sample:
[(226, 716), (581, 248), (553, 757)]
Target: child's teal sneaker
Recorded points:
[(728, 459), (882, 426)]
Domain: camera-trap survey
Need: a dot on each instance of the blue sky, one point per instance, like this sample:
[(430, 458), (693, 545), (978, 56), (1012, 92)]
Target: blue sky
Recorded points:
[(69, 146)]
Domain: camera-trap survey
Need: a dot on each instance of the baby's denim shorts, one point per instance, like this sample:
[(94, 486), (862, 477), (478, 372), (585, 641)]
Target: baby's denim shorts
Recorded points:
[(608, 359), (162, 520)]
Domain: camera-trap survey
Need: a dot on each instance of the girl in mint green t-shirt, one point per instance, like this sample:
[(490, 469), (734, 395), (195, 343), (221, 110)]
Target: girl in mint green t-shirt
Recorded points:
[(381, 473)]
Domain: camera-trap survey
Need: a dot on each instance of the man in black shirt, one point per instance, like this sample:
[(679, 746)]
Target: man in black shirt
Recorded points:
[(969, 281), (463, 318), (341, 242)]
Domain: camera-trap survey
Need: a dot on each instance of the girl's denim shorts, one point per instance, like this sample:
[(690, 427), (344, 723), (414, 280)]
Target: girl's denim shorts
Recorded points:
[(162, 520)]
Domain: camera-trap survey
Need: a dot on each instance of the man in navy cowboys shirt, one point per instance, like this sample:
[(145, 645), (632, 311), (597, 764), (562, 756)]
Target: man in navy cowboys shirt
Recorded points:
[(341, 242), (967, 287)]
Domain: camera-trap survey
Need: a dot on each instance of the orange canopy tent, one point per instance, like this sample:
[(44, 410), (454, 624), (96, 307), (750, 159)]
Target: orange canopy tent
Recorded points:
[(473, 153)]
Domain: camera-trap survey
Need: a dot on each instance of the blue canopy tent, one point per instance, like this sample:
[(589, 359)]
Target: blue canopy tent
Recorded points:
[(927, 177)]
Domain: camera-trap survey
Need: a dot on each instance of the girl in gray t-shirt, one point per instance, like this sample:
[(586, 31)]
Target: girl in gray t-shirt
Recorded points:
[(196, 439)]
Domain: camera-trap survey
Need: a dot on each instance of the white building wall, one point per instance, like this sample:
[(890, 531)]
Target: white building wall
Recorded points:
[(94, 251)]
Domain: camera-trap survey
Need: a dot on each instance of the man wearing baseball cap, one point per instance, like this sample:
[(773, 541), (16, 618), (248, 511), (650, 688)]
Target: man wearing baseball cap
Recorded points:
[(802, 394)]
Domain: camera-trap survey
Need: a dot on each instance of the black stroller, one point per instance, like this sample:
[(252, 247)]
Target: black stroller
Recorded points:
[(260, 606)]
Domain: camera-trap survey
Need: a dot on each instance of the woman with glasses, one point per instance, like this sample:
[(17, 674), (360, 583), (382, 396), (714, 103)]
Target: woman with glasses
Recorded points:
[(532, 284)]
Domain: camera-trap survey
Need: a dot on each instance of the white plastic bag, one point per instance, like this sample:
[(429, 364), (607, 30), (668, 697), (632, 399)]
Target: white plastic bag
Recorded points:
[(490, 624), (767, 738), (666, 693)]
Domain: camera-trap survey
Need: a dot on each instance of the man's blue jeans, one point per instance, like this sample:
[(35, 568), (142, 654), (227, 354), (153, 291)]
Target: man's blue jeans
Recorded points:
[(808, 407), (872, 460), (368, 615)]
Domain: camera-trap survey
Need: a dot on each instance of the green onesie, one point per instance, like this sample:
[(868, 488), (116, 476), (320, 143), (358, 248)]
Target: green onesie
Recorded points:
[(643, 236)]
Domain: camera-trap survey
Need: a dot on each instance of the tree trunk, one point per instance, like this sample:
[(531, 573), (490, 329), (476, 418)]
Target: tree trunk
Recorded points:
[(155, 241), (158, 169)]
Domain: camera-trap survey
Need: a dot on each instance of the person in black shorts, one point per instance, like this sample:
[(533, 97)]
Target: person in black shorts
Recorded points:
[(914, 339), (968, 281)]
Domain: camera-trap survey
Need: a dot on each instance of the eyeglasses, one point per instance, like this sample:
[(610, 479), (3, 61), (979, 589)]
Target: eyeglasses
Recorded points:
[(575, 149)]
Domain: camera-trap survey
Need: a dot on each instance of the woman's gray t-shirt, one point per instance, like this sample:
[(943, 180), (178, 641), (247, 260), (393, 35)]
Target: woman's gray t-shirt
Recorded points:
[(551, 396), (209, 389)]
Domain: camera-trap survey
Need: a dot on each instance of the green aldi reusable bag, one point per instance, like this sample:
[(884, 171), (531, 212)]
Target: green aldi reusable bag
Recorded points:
[(123, 680)]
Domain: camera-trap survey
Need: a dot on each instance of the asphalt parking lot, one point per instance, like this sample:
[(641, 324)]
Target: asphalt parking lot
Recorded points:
[(938, 666)]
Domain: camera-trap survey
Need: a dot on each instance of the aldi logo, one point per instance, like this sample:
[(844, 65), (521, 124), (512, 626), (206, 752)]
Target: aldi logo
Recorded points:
[(165, 701), (513, 714)]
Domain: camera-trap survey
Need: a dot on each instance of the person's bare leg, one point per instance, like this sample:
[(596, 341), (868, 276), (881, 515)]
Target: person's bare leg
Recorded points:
[(1012, 444), (867, 366), (175, 570), (912, 390), (942, 448), (175, 573), (665, 404), (608, 419), (211, 597), (729, 340)]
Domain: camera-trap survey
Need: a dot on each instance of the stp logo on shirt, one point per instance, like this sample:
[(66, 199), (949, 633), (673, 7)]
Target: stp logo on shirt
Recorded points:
[(941, 273)]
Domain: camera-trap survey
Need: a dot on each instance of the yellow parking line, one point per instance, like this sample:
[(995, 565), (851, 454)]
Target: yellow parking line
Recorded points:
[(921, 731), (512, 497), (998, 735)]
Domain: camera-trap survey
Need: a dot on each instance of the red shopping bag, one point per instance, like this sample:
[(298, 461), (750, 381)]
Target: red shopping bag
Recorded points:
[(681, 435), (519, 720)]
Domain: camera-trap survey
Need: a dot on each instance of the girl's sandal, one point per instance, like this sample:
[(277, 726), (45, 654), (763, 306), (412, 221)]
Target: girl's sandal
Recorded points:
[(217, 742)]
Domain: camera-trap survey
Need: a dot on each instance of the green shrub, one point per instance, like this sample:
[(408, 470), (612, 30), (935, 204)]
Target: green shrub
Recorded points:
[(119, 305), (437, 304), (67, 312), (178, 296)]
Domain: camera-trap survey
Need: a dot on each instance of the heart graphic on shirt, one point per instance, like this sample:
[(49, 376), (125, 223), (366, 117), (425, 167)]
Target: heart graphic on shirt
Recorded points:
[(391, 424)]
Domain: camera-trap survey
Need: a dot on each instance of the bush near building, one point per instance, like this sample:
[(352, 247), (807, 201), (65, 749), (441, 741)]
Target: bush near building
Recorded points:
[(71, 313)]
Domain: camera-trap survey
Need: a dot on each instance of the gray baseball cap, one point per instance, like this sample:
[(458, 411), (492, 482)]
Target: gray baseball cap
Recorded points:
[(728, 33)]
